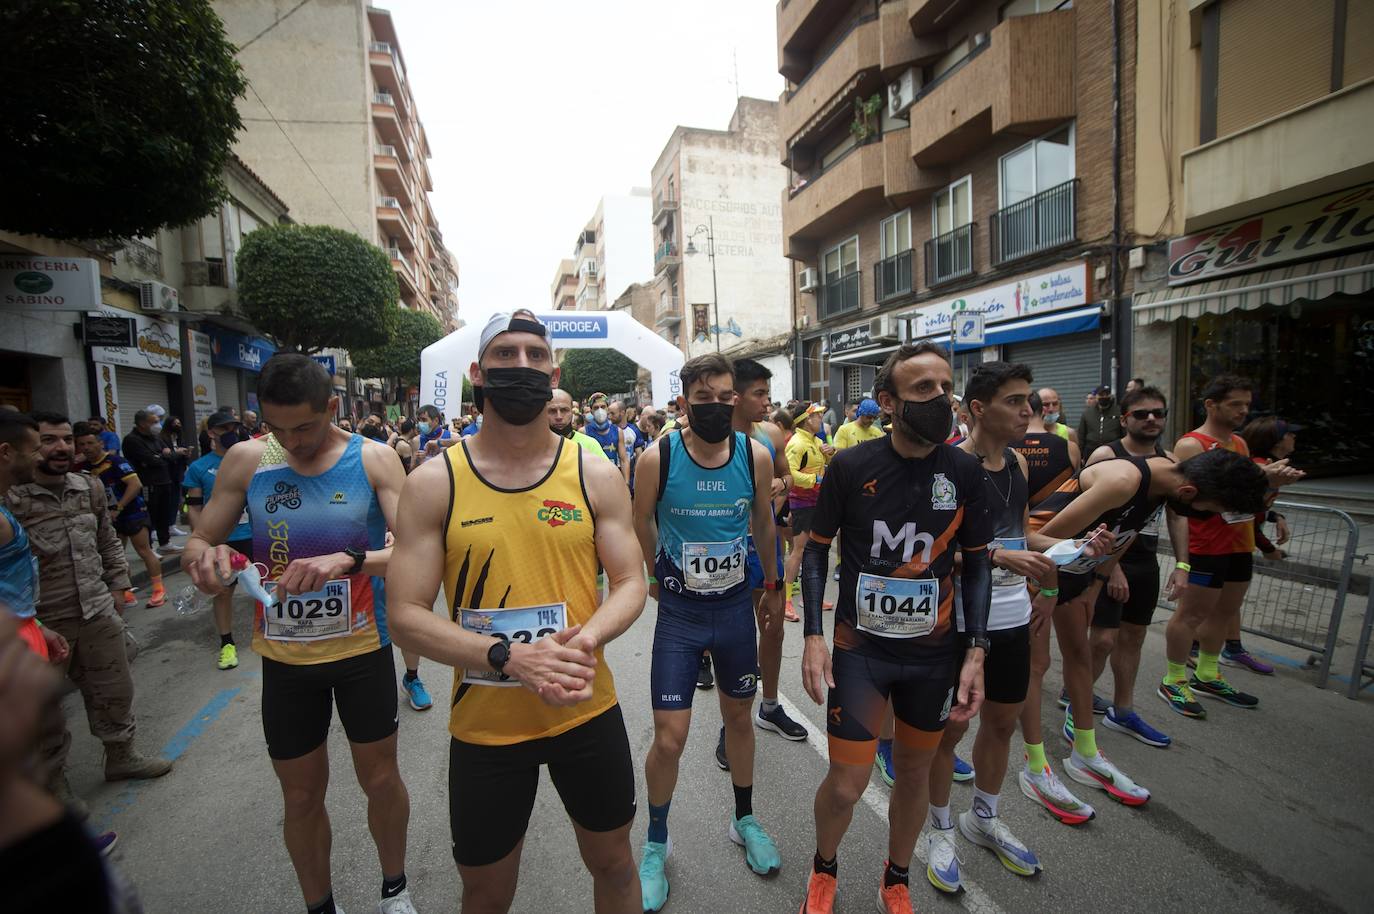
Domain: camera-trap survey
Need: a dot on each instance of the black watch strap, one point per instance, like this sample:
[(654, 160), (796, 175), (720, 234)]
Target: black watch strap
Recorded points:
[(498, 654), (980, 641), (359, 556)]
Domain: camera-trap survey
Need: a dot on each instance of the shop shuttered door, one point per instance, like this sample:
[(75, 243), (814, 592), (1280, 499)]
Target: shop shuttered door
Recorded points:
[(227, 387), (1071, 364), (138, 389)]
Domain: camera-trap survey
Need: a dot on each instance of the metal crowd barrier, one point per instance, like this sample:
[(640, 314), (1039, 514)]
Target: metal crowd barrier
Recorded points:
[(1300, 600), (1363, 669)]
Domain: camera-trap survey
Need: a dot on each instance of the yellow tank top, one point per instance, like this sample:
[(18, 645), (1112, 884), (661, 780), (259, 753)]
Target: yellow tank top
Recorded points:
[(506, 549)]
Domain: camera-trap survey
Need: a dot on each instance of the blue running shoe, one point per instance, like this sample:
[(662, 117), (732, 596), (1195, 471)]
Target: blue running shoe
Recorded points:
[(653, 881), (759, 850), (1068, 727), (105, 843), (417, 693), (995, 836), (963, 771), (883, 762), (1131, 724), (1100, 704), (942, 860)]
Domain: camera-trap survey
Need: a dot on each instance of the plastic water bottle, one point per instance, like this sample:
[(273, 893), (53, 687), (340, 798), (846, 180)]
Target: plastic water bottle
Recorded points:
[(191, 600)]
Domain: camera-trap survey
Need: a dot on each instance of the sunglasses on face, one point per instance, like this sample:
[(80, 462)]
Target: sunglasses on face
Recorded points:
[(1140, 415)]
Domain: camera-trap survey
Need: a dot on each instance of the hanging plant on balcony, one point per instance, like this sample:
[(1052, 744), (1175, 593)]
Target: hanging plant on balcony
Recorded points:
[(865, 125)]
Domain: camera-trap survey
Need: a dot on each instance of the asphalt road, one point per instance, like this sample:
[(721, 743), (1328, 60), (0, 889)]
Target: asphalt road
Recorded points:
[(1267, 810)]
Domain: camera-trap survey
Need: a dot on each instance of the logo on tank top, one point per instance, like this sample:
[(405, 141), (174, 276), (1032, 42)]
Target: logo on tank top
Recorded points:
[(557, 513), (338, 498), (943, 494), (284, 495)]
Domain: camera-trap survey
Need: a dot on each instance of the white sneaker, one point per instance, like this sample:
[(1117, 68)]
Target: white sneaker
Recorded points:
[(993, 834), (177, 531), (400, 904), (1102, 774), (942, 859), (170, 547), (1047, 790)]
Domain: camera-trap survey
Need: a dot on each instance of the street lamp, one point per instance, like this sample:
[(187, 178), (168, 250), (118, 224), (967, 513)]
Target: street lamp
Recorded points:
[(710, 229)]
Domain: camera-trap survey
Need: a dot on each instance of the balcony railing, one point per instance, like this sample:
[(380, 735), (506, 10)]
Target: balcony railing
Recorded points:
[(840, 295), (892, 276), (664, 204), (1035, 224), (950, 256), (667, 256), (390, 202), (205, 273), (142, 255), (381, 47), (383, 98), (384, 149), (667, 311)]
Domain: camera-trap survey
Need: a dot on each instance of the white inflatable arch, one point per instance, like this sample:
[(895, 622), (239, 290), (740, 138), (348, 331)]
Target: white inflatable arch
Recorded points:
[(444, 364)]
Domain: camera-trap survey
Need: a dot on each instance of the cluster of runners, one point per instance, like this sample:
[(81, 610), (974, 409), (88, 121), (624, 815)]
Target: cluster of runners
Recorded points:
[(955, 563)]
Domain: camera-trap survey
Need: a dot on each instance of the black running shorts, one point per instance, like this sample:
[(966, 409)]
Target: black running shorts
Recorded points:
[(491, 789), (1006, 669), (298, 701), (1214, 571), (801, 520), (1142, 582), (921, 693)]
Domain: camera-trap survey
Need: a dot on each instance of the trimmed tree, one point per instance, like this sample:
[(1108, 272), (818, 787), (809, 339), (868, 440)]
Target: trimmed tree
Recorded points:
[(126, 116), (586, 371), (399, 356), (312, 286)]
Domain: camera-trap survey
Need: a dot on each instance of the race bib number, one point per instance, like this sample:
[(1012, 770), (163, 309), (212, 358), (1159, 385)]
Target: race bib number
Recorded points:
[(1237, 517), (1005, 577), (1151, 528), (525, 624), (713, 567), (896, 607), (325, 613), (1085, 563)]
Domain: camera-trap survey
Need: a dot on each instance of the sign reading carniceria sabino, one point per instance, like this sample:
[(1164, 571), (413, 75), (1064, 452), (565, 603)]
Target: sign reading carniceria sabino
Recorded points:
[(1026, 297), (31, 282)]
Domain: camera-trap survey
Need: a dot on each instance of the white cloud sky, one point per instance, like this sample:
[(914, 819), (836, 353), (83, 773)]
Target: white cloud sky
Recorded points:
[(535, 110)]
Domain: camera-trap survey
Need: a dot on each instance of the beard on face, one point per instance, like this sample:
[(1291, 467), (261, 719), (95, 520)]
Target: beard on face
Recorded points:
[(1143, 436)]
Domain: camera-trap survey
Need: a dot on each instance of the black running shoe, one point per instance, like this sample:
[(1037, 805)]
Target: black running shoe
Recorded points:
[(721, 758), (705, 678)]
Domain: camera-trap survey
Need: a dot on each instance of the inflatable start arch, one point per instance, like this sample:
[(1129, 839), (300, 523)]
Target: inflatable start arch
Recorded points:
[(444, 364)]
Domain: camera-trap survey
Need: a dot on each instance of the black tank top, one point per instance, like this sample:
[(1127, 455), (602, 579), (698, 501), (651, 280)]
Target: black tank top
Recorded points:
[(1047, 463), (1147, 540), (1007, 495), (1125, 521)]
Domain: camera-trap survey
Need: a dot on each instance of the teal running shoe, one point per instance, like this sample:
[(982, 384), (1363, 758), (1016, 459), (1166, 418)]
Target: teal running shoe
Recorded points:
[(653, 881), (759, 850)]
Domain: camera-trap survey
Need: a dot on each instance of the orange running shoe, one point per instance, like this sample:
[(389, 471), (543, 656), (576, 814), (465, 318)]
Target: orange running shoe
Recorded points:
[(894, 899), (789, 613), (129, 598), (158, 598), (820, 894)]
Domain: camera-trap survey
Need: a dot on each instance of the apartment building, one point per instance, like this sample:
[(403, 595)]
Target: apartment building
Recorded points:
[(612, 252), (951, 156), (720, 278), (331, 123), (563, 290), (1256, 171)]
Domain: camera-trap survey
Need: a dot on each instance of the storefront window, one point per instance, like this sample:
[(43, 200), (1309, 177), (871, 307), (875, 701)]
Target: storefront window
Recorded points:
[(1312, 363), (817, 376)]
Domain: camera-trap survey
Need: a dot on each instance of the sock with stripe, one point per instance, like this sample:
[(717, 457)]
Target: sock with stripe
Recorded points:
[(984, 804), (829, 867), (895, 875), (1207, 666), (1035, 757), (940, 817)]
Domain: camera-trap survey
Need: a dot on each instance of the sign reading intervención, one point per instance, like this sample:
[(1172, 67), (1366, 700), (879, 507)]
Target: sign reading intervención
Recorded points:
[(29, 282), (1341, 220), (1032, 295)]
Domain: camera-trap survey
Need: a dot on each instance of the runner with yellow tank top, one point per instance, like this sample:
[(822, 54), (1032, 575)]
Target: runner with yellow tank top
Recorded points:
[(512, 524), (319, 501)]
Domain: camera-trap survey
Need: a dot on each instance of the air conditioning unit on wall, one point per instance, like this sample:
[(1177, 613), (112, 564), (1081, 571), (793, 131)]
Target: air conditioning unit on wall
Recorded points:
[(156, 296), (882, 328), (806, 282), (901, 92)]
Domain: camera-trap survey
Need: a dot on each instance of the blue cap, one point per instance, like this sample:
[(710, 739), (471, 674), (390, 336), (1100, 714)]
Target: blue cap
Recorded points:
[(867, 407)]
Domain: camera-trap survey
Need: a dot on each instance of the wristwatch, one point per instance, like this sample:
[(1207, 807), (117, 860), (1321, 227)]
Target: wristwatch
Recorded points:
[(772, 585), (980, 641), (498, 655), (358, 556)]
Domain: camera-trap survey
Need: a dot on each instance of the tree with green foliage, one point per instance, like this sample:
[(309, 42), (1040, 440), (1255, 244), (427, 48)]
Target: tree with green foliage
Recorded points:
[(399, 356), (312, 286), (586, 371), (119, 118)]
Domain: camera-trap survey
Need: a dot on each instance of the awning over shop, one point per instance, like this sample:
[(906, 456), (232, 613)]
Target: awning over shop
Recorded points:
[(1077, 321), (1317, 279), (866, 356)]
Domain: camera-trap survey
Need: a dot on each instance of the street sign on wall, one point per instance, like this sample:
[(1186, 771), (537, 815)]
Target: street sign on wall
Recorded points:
[(107, 330), (30, 282), (968, 328), (156, 345)]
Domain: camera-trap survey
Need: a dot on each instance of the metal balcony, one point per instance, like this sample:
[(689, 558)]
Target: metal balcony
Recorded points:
[(1035, 224), (893, 276), (950, 256), (839, 296)]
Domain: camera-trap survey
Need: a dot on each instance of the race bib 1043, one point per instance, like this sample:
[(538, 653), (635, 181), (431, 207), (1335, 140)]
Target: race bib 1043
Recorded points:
[(325, 613), (525, 624), (713, 567), (896, 607)]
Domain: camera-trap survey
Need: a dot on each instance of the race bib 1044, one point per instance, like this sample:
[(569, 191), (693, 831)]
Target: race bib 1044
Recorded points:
[(325, 613), (713, 567), (525, 624), (896, 607)]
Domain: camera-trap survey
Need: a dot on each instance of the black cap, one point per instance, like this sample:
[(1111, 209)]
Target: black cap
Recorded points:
[(224, 417)]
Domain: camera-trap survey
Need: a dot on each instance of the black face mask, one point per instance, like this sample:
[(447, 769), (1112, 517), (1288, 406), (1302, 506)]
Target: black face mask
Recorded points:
[(566, 431), (518, 395), (929, 422), (1183, 509), (228, 440), (1104, 402), (712, 422)]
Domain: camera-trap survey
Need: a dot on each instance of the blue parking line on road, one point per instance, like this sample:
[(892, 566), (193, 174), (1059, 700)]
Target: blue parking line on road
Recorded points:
[(174, 748), (1297, 665)]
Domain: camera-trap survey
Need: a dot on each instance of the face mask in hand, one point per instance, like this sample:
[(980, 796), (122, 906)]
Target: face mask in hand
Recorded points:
[(519, 395), (929, 422), (712, 422)]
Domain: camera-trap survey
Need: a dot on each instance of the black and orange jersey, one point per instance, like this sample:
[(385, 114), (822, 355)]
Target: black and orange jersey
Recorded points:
[(1125, 521), (901, 518), (1048, 464)]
